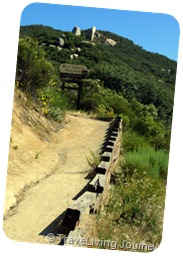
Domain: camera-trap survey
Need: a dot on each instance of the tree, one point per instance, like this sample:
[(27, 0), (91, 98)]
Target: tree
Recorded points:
[(33, 70)]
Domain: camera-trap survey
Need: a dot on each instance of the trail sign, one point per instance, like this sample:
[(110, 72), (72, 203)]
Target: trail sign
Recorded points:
[(74, 74), (72, 71)]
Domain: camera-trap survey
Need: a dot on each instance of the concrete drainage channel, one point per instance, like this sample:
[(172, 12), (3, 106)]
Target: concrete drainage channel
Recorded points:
[(96, 192)]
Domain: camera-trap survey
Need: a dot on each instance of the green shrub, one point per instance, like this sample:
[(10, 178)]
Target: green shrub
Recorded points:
[(104, 112), (147, 160), (133, 141), (33, 69), (93, 159), (53, 102), (138, 203), (126, 122), (134, 212)]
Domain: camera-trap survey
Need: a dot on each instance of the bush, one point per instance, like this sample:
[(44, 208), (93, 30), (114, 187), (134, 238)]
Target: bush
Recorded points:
[(53, 102), (133, 141), (104, 112), (147, 160), (134, 212), (33, 70)]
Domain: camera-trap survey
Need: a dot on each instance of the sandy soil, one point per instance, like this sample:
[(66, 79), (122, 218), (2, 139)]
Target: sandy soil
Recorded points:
[(47, 169)]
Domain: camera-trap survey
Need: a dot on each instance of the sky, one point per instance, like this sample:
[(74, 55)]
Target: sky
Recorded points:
[(154, 32)]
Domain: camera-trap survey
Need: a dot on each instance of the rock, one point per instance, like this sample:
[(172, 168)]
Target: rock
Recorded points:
[(74, 56), (91, 33), (88, 42), (78, 49), (76, 31), (53, 46), (59, 48), (98, 35), (61, 41), (110, 41)]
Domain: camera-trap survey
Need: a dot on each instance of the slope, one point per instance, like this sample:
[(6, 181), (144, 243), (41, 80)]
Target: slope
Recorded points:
[(47, 168)]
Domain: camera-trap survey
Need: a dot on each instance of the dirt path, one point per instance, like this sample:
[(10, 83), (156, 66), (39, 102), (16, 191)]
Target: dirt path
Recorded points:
[(43, 202)]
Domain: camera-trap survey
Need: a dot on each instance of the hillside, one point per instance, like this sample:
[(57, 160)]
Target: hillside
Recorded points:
[(123, 53), (47, 167), (122, 66)]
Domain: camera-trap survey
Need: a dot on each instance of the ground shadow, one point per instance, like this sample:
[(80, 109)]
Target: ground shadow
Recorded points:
[(60, 228), (54, 226)]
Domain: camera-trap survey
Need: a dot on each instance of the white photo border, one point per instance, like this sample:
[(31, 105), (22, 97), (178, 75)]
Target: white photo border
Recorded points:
[(10, 23)]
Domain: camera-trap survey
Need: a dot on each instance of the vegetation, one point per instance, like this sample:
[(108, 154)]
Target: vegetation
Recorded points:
[(124, 80), (93, 159), (125, 67), (134, 213)]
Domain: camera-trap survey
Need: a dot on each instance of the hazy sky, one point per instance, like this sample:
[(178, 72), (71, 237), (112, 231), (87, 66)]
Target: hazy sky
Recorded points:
[(158, 33)]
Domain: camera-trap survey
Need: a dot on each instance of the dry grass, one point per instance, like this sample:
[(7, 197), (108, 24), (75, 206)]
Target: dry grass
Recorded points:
[(134, 213)]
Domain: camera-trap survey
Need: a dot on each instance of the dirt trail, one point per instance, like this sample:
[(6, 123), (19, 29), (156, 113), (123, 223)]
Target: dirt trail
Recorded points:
[(66, 168)]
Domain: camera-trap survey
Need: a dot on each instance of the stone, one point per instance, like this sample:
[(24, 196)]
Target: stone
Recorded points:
[(61, 41), (71, 57), (91, 33), (98, 35), (74, 56), (76, 31), (52, 46), (59, 48), (110, 41), (88, 42), (78, 49)]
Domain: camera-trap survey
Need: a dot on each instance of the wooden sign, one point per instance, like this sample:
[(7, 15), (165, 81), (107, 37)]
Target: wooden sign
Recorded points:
[(73, 71), (74, 74)]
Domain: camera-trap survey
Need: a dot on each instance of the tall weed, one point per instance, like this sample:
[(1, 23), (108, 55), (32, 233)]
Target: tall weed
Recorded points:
[(147, 160), (134, 212), (133, 141)]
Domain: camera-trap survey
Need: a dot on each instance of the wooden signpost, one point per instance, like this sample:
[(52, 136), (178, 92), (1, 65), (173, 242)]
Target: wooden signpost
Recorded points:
[(74, 74)]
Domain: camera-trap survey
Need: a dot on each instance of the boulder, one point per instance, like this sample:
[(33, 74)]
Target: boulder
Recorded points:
[(110, 41), (78, 49), (52, 46), (74, 56), (61, 41), (91, 33), (88, 42), (76, 31), (59, 48)]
